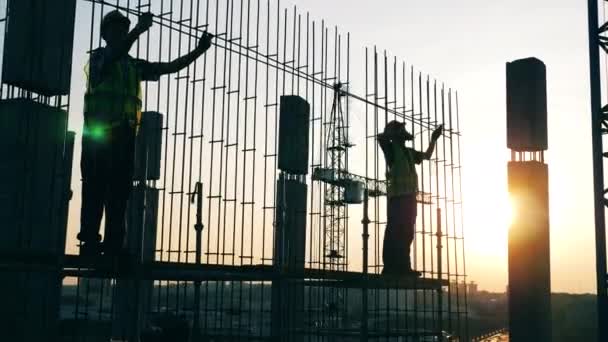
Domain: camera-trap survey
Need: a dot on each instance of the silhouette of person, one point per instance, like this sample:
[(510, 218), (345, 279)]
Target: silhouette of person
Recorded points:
[(112, 112), (402, 186)]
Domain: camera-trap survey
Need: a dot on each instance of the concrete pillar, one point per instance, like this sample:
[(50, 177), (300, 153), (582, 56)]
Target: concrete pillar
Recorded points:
[(529, 252), (289, 258), (38, 45), (35, 174), (132, 297)]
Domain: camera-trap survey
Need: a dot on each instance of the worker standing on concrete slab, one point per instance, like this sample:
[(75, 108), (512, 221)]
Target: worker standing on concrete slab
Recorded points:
[(402, 186), (112, 112)]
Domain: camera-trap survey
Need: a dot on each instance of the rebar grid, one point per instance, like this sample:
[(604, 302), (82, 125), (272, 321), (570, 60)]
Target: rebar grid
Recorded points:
[(220, 128)]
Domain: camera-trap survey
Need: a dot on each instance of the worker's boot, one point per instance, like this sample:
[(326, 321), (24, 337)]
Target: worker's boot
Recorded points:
[(90, 247), (412, 273), (409, 272)]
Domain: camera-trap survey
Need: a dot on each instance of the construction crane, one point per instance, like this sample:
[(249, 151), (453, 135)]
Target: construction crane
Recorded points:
[(334, 212)]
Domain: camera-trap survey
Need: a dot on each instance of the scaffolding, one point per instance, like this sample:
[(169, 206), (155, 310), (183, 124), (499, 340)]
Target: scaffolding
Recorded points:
[(597, 41), (206, 203)]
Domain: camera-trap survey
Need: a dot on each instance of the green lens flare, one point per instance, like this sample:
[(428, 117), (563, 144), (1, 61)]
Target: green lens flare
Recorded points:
[(95, 132)]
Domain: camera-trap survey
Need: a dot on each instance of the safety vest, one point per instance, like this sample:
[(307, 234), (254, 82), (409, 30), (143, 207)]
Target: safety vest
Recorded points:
[(117, 97), (401, 177)]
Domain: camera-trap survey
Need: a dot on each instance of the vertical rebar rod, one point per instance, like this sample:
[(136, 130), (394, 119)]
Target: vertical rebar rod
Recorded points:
[(455, 236), (376, 202), (437, 197), (386, 95), (365, 221), (461, 217), (439, 273), (445, 207), (431, 206), (365, 306), (198, 227)]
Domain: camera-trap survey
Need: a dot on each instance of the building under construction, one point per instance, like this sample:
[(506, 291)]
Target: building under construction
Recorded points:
[(259, 199)]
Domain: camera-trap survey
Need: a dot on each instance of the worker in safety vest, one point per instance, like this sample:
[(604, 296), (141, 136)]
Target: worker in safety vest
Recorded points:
[(112, 111), (402, 186)]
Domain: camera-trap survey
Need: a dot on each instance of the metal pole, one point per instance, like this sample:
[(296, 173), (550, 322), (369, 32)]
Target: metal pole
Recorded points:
[(439, 270), (365, 235), (598, 171), (198, 227)]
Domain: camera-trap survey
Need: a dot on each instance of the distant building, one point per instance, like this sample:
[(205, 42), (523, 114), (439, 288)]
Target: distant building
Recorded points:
[(472, 288), (460, 287)]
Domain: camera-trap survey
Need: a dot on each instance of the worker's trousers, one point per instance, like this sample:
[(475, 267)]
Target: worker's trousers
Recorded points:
[(107, 174), (399, 233)]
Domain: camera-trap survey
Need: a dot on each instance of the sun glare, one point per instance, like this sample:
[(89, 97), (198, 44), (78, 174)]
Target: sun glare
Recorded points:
[(490, 223)]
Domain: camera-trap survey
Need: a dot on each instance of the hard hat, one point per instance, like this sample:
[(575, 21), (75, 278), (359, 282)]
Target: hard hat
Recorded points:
[(393, 127), (114, 17)]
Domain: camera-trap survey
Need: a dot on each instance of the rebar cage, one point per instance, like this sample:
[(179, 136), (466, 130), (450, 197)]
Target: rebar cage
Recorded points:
[(215, 157)]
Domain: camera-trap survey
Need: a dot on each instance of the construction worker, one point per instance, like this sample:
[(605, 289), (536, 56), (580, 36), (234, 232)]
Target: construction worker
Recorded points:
[(112, 111), (402, 186)]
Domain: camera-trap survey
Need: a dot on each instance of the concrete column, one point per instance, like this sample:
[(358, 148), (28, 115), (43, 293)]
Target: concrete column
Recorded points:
[(289, 258)]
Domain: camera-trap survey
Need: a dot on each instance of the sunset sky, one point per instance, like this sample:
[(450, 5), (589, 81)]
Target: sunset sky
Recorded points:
[(466, 44)]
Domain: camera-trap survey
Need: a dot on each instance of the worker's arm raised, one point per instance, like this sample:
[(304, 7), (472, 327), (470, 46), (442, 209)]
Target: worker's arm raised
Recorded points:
[(434, 137), (176, 65)]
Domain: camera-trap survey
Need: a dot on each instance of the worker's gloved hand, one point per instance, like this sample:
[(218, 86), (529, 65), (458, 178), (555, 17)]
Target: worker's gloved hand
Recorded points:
[(205, 42), (437, 132), (144, 22)]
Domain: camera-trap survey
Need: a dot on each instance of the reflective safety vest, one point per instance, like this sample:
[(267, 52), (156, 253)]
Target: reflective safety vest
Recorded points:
[(116, 97), (401, 177)]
